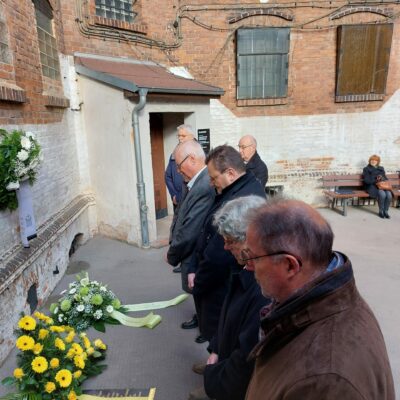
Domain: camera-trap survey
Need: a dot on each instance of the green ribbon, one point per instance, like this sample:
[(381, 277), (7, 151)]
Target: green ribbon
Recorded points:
[(157, 304), (150, 320)]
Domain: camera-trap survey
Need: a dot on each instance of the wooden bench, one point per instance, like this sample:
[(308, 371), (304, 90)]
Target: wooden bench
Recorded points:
[(340, 189)]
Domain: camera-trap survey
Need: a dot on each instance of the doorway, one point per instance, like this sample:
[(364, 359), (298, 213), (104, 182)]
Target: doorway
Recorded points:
[(158, 164)]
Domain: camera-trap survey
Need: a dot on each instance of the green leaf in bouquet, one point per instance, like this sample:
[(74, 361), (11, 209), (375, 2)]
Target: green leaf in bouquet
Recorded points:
[(9, 381), (99, 326), (111, 321)]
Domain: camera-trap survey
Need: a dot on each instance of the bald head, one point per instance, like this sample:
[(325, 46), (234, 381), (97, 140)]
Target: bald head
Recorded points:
[(294, 226), (189, 158), (247, 147)]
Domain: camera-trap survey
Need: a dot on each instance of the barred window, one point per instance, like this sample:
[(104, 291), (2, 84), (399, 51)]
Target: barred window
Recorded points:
[(116, 9), (5, 56), (4, 50), (363, 61), (47, 42), (262, 63)]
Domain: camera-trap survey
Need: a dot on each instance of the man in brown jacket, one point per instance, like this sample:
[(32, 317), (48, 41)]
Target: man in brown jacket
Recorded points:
[(319, 339)]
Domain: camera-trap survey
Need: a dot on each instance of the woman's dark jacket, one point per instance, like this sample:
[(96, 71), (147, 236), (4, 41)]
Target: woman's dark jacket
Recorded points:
[(212, 263), (237, 334), (370, 175)]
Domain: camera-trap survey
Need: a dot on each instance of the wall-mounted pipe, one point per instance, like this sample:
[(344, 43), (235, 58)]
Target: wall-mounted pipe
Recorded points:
[(143, 209)]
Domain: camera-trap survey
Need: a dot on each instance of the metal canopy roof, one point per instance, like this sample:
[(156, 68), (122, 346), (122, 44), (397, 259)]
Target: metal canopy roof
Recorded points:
[(132, 75)]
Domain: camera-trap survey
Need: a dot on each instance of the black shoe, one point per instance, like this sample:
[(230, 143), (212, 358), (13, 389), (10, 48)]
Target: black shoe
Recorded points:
[(200, 339), (178, 269), (381, 215), (387, 215), (193, 323)]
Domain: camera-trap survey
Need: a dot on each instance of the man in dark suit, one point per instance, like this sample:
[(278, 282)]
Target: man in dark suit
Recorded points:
[(212, 265), (248, 152), (190, 162)]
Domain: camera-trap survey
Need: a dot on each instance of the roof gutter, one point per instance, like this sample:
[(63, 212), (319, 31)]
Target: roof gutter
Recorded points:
[(143, 209)]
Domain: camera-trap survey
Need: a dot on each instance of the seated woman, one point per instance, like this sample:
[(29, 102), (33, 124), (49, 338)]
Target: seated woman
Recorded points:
[(372, 174)]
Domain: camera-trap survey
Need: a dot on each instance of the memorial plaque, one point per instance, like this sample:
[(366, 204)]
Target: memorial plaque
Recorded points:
[(203, 137)]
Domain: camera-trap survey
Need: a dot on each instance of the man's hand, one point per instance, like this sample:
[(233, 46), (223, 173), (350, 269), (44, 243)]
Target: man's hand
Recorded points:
[(191, 280), (212, 359), (174, 200)]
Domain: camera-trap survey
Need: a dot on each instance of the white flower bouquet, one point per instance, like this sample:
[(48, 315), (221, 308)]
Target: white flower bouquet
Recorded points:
[(86, 303), (19, 159)]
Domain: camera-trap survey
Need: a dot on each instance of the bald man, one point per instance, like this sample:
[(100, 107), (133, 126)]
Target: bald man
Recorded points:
[(248, 151)]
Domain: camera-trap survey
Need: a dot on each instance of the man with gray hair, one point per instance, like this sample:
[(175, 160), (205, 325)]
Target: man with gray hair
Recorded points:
[(248, 151), (185, 228), (173, 179), (227, 371), (320, 340)]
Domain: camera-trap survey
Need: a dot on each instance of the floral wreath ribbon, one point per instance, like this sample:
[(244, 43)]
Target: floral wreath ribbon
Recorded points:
[(150, 320)]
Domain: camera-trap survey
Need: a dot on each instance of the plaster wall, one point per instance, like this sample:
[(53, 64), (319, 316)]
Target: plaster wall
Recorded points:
[(107, 123)]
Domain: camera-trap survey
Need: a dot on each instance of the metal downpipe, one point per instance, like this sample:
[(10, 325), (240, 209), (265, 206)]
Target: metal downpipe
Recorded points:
[(143, 209)]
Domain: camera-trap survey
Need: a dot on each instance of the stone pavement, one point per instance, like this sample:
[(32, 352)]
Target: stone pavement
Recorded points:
[(162, 357)]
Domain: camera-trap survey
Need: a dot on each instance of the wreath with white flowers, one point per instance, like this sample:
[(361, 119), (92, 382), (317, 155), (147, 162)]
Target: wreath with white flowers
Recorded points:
[(19, 160)]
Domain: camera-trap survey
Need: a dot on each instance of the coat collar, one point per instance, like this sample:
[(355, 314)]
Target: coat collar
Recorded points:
[(330, 293), (236, 185)]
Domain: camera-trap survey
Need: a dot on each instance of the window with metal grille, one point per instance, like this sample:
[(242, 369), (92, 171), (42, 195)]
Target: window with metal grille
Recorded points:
[(47, 42), (5, 56), (116, 9), (363, 60), (4, 50), (262, 62)]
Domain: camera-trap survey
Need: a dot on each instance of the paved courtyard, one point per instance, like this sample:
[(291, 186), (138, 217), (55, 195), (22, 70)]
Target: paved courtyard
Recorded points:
[(162, 357)]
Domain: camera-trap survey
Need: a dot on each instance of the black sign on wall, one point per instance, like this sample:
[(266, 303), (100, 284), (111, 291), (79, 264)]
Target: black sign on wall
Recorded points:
[(203, 137)]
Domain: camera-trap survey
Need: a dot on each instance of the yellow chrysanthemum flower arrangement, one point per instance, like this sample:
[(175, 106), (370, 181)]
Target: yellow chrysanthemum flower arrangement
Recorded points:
[(53, 361)]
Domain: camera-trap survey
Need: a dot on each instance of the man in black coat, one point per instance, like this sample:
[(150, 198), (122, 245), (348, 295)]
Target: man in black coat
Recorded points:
[(211, 265), (248, 152)]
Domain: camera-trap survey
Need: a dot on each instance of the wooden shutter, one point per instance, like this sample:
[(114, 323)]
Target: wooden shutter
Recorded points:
[(363, 59)]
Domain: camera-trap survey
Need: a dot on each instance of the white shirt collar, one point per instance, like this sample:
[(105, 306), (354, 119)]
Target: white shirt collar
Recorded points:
[(193, 180)]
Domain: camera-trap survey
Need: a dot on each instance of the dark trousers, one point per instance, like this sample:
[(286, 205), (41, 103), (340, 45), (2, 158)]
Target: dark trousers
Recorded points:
[(384, 200)]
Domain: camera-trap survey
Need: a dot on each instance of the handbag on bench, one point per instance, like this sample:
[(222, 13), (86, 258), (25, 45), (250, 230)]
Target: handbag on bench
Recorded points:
[(384, 185)]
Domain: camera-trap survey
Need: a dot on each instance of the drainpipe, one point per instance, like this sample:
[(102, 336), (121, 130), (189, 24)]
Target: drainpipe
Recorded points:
[(139, 169)]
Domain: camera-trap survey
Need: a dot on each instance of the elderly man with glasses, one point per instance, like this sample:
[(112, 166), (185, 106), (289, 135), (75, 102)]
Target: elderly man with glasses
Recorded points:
[(319, 339), (185, 228), (173, 179), (248, 151), (227, 371)]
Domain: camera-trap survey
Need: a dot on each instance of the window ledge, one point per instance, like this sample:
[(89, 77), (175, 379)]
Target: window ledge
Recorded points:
[(116, 23), (56, 101), (12, 93), (359, 97), (262, 102)]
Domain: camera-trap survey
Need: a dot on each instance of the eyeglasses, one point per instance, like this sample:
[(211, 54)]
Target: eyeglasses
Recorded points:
[(278, 253), (242, 146), (178, 166)]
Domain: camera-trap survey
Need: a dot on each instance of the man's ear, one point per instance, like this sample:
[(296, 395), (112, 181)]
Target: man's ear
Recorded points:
[(292, 266)]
